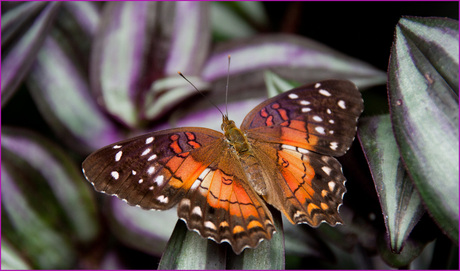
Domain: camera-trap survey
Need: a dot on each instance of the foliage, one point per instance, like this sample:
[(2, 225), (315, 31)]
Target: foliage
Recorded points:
[(77, 76)]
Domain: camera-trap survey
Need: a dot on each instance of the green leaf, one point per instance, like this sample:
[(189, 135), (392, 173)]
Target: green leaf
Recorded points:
[(227, 23), (276, 85), (291, 57), (424, 112), (188, 250), (11, 258), (17, 62), (31, 217), (400, 202), (52, 170), (66, 103)]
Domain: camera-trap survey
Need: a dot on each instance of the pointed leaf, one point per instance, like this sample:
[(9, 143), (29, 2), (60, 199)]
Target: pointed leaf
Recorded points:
[(291, 57), (276, 85), (57, 174), (190, 38), (86, 14), (16, 62), (400, 202), (188, 250), (167, 92), (11, 258), (16, 18), (188, 29), (120, 57), (424, 112), (227, 24), (140, 42), (62, 95)]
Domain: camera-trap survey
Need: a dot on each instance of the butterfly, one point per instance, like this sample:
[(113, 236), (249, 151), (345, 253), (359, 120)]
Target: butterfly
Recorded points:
[(221, 182)]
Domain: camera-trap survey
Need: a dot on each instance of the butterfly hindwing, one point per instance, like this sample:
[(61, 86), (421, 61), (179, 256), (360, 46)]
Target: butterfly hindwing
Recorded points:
[(320, 117), (222, 206), (306, 186)]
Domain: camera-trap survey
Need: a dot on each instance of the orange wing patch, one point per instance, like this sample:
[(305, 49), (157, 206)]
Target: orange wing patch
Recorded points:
[(222, 206), (298, 175)]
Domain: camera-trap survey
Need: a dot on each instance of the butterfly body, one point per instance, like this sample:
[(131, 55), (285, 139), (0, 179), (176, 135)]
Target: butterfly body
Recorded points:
[(281, 155)]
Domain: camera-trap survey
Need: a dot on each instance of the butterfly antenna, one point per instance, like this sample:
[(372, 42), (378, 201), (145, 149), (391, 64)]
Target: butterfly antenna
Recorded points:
[(226, 87), (202, 94)]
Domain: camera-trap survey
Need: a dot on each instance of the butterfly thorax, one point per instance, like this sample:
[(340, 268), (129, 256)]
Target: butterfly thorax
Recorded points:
[(250, 164), (235, 136)]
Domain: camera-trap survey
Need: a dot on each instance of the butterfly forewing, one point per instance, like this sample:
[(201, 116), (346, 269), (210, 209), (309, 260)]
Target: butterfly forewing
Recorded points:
[(320, 117), (153, 171)]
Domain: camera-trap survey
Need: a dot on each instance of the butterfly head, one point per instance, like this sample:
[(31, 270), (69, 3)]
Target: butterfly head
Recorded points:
[(227, 124)]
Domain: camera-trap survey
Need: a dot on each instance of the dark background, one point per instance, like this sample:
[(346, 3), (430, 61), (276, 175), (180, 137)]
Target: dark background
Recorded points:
[(363, 30)]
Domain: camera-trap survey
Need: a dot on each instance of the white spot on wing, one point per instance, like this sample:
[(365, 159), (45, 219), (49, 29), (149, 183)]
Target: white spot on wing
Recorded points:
[(293, 96), (334, 145), (317, 85), (329, 111), (197, 211), (320, 129), (210, 225), (204, 173), (317, 118), (146, 151), (195, 185), (159, 180), (151, 170), (331, 185), (331, 121), (152, 157), (288, 147), (163, 199), (118, 156), (116, 147), (327, 170), (115, 175), (306, 109), (141, 181), (303, 102), (149, 140), (185, 202), (304, 151), (324, 92), (341, 104), (133, 172)]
